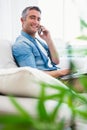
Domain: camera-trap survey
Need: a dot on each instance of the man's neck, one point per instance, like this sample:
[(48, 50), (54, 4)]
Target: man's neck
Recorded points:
[(30, 33)]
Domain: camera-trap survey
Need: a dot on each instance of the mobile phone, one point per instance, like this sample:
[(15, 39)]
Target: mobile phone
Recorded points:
[(40, 30)]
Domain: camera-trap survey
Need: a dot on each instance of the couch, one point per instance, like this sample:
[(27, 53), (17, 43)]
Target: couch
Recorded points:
[(24, 84)]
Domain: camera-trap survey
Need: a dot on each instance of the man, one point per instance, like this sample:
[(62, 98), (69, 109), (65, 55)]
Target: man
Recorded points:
[(30, 51)]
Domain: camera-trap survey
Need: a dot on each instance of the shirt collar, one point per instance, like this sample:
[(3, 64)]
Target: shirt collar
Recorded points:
[(28, 36)]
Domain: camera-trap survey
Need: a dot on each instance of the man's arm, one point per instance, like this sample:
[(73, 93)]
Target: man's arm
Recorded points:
[(45, 35), (53, 51), (58, 73)]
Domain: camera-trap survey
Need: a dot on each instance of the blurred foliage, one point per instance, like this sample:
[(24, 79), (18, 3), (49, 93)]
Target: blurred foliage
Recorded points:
[(82, 37), (83, 24)]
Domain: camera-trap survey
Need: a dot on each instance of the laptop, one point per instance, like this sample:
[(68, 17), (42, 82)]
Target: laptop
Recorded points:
[(75, 75)]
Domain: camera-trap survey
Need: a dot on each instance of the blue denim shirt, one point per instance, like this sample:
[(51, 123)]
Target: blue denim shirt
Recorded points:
[(27, 53)]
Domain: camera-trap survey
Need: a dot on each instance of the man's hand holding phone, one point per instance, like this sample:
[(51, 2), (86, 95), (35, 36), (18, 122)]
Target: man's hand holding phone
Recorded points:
[(43, 33)]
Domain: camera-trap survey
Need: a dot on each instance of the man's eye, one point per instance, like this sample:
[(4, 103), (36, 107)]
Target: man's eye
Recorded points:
[(32, 17)]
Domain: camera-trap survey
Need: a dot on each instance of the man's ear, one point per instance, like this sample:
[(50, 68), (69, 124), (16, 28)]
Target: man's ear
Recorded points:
[(21, 19)]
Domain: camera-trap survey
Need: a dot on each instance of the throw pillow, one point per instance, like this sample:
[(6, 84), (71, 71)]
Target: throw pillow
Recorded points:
[(6, 58)]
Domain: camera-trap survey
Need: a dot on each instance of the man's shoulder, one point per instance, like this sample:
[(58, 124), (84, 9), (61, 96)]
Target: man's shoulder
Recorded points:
[(22, 41)]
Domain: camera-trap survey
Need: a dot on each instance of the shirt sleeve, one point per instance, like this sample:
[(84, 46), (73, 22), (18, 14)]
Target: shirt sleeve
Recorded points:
[(23, 55)]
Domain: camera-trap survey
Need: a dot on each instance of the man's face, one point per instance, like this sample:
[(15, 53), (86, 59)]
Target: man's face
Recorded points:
[(32, 22)]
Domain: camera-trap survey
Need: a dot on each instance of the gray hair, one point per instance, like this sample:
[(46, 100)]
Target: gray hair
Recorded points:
[(24, 12)]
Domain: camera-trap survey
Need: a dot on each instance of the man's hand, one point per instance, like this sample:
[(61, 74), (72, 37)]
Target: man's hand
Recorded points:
[(44, 33), (58, 73)]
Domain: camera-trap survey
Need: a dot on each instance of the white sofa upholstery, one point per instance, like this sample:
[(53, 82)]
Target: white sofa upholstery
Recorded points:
[(24, 82)]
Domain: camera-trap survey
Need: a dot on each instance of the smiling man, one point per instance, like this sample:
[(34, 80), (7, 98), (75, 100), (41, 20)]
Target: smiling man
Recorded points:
[(30, 51)]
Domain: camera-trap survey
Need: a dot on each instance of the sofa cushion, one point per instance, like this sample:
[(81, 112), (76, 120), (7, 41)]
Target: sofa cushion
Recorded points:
[(6, 58), (25, 81)]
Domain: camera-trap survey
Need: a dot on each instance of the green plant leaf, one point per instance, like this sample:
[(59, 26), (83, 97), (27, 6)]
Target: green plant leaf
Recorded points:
[(60, 125), (83, 81), (83, 23), (54, 113), (20, 109), (42, 112), (82, 37)]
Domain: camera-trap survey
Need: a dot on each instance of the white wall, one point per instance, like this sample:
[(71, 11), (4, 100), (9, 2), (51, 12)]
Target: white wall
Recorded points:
[(10, 13), (5, 19)]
